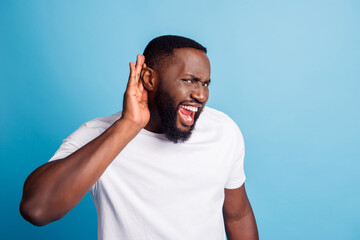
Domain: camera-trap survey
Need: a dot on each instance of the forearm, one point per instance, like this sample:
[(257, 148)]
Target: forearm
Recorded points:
[(55, 188), (243, 228)]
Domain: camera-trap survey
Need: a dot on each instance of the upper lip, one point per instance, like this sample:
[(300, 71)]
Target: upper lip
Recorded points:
[(192, 105)]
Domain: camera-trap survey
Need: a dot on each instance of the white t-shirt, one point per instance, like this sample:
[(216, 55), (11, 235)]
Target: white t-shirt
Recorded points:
[(156, 189)]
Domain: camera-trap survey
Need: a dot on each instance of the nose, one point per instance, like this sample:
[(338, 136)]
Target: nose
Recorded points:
[(200, 93)]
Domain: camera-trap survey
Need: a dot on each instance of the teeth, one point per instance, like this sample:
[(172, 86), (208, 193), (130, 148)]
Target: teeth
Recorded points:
[(190, 108)]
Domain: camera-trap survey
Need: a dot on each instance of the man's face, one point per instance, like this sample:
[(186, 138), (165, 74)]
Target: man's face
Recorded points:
[(182, 92)]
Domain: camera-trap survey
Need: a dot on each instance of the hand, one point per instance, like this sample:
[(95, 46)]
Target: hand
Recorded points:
[(135, 104)]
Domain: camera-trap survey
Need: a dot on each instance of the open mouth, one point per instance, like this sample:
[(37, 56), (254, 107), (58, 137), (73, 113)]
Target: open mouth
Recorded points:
[(187, 113)]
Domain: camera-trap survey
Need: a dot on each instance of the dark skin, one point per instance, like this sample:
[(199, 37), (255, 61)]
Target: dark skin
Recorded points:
[(50, 193), (186, 78)]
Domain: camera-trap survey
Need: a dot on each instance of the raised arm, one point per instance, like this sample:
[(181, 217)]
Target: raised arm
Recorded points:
[(54, 188)]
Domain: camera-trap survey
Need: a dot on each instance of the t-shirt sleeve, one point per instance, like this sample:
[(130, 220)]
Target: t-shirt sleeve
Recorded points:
[(237, 174), (84, 134), (68, 146)]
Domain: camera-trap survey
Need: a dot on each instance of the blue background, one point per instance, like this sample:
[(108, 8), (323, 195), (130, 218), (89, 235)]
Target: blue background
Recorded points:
[(287, 72)]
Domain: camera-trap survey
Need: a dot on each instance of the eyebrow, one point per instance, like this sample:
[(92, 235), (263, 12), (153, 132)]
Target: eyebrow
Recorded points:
[(193, 77)]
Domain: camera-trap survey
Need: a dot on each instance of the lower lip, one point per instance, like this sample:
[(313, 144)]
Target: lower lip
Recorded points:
[(186, 119)]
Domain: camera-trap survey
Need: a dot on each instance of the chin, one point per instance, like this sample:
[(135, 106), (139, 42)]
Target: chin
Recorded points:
[(184, 128), (179, 134)]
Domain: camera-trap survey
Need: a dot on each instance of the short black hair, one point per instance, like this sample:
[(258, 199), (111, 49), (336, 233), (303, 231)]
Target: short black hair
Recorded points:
[(162, 47)]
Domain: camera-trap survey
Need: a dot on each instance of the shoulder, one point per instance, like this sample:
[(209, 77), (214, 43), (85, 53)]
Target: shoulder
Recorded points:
[(215, 114), (93, 128), (102, 122), (215, 120)]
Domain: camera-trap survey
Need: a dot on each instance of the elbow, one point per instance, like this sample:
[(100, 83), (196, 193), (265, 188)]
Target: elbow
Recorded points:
[(33, 214)]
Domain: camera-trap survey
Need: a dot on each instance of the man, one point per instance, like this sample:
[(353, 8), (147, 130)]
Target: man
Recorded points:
[(153, 173)]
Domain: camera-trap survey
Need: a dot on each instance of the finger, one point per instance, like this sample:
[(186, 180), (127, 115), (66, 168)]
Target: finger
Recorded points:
[(144, 97), (143, 68), (132, 76), (140, 85), (140, 59), (143, 75), (139, 64)]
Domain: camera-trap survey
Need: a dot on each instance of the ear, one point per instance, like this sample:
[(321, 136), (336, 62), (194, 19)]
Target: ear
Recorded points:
[(148, 77)]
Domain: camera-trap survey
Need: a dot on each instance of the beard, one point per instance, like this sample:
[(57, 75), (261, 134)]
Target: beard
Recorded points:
[(168, 115)]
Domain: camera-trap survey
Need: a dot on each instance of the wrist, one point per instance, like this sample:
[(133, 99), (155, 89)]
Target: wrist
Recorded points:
[(129, 125)]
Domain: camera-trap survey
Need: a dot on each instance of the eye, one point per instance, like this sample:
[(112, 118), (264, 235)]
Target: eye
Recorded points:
[(206, 84), (187, 80)]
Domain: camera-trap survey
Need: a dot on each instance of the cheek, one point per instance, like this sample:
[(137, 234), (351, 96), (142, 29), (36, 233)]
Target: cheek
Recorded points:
[(207, 92), (179, 92)]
